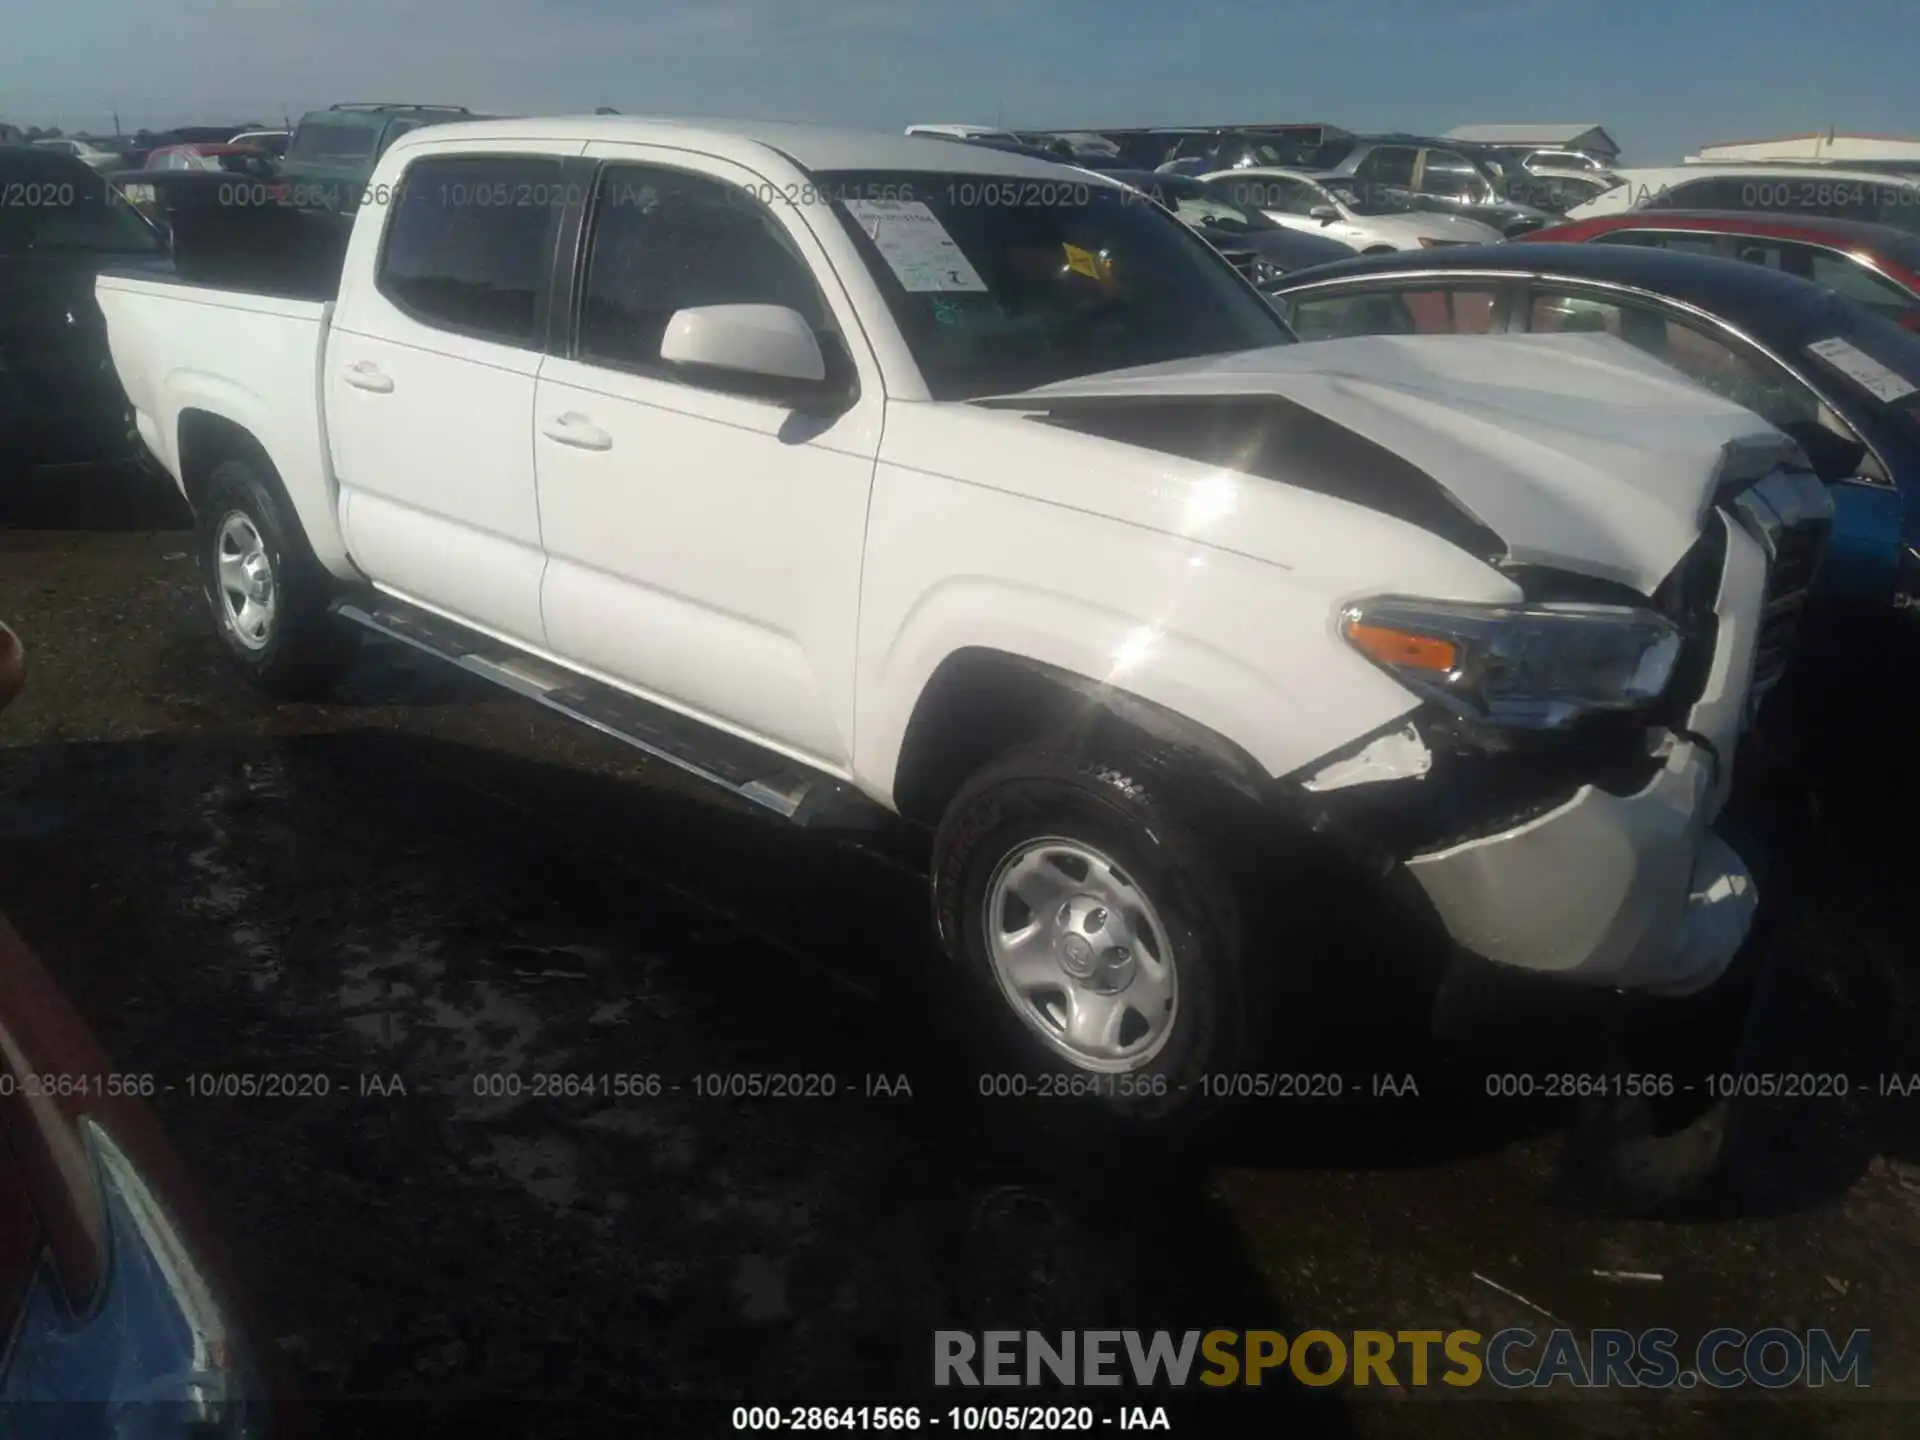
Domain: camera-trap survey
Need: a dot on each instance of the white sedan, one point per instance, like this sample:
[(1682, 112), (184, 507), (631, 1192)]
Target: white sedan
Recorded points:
[(1368, 218)]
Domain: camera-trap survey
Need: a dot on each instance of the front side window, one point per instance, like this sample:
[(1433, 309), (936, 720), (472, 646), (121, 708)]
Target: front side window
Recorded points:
[(469, 245), (1729, 370), (1000, 285), (1426, 310), (1846, 276), (665, 240), (1342, 316), (1452, 177), (1388, 165)]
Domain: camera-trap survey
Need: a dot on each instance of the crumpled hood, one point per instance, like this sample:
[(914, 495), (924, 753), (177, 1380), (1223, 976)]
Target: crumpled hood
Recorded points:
[(1579, 451)]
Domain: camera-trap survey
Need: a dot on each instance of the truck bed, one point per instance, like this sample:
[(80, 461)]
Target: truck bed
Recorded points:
[(189, 353)]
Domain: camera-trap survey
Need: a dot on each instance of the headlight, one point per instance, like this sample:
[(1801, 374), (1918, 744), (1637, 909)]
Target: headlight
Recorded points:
[(1530, 667), (1265, 272)]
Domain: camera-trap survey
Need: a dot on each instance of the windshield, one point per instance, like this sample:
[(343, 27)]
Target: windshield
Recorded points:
[(54, 203), (1002, 284)]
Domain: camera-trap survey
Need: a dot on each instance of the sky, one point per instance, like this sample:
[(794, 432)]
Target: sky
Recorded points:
[(1663, 76)]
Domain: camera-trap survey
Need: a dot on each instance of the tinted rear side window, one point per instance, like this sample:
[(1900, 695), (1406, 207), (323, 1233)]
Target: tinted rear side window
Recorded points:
[(469, 245), (333, 142)]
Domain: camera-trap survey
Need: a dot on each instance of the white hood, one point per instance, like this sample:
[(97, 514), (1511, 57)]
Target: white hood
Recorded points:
[(1579, 451)]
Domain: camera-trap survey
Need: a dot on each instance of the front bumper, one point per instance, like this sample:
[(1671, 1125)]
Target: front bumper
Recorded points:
[(1633, 892)]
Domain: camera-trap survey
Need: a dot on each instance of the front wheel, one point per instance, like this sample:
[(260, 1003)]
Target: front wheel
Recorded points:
[(1099, 932), (268, 595)]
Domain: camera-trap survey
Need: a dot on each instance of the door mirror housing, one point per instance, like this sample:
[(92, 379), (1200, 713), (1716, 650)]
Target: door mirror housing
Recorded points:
[(1833, 457), (770, 342), (1325, 214)]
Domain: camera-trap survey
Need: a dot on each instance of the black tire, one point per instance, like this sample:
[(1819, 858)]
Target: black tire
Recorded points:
[(1119, 807), (303, 650)]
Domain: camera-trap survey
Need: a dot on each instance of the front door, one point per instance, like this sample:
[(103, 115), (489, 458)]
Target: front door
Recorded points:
[(704, 542)]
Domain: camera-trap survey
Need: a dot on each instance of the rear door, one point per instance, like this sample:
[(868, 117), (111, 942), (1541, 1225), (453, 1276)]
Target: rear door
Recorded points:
[(704, 541), (429, 381)]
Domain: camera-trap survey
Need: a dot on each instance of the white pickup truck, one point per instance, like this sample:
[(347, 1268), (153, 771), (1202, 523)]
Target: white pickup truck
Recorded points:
[(847, 468)]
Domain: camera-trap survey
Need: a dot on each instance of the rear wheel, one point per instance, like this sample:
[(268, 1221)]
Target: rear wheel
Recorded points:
[(1099, 931), (268, 595)]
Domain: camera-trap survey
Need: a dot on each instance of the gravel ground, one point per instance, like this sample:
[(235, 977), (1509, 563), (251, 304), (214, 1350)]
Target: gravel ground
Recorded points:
[(426, 884)]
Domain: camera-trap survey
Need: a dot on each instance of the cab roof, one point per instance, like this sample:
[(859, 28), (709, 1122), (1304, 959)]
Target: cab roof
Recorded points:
[(811, 147)]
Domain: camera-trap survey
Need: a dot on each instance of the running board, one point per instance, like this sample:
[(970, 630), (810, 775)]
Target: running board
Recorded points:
[(755, 774)]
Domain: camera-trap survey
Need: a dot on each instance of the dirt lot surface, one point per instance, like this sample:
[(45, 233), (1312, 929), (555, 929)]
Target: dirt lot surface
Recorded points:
[(432, 894)]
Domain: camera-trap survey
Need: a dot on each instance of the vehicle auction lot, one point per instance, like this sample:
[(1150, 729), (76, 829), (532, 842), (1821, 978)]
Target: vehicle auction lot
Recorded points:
[(430, 883)]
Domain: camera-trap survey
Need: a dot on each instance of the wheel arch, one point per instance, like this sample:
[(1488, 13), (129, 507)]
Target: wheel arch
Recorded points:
[(980, 702)]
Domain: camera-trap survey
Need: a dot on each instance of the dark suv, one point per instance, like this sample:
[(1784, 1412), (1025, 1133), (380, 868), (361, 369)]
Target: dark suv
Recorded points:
[(333, 151), (62, 223)]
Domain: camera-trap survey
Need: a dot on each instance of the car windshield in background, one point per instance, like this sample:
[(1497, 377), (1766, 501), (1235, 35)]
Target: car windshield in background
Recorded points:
[(333, 142), (51, 203), (1003, 283)]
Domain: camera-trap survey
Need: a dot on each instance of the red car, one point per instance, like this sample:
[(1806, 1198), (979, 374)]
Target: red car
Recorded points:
[(1875, 265), (116, 1315)]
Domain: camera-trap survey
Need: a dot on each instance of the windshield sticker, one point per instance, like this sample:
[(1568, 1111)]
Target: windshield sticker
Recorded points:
[(1085, 262), (1865, 371), (915, 245)]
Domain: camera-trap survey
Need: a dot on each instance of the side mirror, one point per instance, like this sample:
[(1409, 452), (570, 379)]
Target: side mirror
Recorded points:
[(768, 341), (1833, 457), (1325, 214)]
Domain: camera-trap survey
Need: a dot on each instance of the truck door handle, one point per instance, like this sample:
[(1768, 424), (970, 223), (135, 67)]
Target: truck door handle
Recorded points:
[(576, 430), (365, 375)]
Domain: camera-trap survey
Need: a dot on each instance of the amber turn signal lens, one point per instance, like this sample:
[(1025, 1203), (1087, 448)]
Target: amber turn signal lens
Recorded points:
[(1402, 647)]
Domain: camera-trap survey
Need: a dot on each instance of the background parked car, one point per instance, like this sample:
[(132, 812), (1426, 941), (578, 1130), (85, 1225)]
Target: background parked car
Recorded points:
[(1438, 177), (1330, 206), (1538, 161), (60, 401), (1259, 249), (181, 179), (1559, 191), (333, 151), (1841, 380), (1876, 265), (1873, 197), (93, 156), (1206, 151), (274, 142), (1058, 153)]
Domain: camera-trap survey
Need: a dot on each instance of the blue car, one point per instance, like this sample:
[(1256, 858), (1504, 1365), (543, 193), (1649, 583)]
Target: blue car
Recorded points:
[(1841, 380)]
